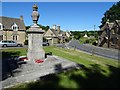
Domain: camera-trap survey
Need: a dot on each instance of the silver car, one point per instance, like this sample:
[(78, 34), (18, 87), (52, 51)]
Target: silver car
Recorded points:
[(45, 44), (9, 43)]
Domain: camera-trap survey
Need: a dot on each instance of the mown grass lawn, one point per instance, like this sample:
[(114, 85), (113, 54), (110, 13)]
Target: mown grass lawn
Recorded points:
[(14, 52), (81, 57), (95, 72)]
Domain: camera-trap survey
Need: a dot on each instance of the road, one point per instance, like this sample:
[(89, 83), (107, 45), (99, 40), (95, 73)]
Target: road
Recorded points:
[(109, 53), (105, 52)]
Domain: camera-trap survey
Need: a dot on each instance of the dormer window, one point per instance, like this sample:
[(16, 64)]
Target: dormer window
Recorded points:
[(1, 26), (15, 27)]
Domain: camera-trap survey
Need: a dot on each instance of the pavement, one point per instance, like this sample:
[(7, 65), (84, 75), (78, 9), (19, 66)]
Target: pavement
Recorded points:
[(25, 46), (32, 72), (105, 52)]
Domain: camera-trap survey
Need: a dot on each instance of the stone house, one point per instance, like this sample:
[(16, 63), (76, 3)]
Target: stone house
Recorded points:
[(86, 36), (68, 34), (109, 35), (54, 35), (12, 29)]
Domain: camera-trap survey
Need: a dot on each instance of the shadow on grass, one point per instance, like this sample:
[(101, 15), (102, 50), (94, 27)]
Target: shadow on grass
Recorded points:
[(9, 64), (94, 78), (48, 81)]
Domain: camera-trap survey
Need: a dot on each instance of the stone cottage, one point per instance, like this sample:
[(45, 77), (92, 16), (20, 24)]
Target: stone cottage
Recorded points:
[(12, 29), (109, 35), (55, 35)]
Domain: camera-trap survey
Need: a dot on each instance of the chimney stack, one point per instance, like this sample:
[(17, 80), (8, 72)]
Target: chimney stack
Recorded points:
[(21, 17), (58, 28), (54, 27)]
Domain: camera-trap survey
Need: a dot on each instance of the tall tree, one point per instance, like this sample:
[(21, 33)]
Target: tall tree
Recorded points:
[(112, 14)]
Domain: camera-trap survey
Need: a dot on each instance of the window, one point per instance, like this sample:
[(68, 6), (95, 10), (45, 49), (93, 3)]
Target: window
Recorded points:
[(9, 41), (13, 41), (1, 37), (15, 27), (4, 41), (15, 37), (1, 26)]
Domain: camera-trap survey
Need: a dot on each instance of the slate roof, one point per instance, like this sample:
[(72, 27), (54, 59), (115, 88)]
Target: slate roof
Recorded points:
[(118, 21), (111, 25), (55, 32), (7, 22), (105, 26)]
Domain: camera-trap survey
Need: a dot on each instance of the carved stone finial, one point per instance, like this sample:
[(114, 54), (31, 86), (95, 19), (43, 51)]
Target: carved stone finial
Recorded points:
[(35, 14), (35, 7)]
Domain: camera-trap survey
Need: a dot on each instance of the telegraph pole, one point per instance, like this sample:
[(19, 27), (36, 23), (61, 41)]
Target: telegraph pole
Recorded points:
[(93, 47), (94, 31)]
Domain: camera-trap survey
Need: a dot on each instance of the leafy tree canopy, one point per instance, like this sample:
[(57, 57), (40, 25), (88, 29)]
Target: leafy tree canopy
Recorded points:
[(79, 34), (112, 14)]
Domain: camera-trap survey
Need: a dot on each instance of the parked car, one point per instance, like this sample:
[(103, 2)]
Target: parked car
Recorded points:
[(45, 44), (9, 43)]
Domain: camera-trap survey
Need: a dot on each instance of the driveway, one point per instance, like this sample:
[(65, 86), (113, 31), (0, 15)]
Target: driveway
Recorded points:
[(109, 53)]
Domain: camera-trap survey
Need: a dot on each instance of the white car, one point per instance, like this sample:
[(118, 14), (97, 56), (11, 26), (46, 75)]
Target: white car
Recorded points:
[(9, 43), (45, 44)]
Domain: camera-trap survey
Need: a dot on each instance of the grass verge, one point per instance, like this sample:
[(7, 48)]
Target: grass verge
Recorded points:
[(96, 72)]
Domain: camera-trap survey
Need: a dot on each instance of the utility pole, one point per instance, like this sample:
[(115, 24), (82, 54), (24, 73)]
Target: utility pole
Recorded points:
[(93, 47), (94, 31)]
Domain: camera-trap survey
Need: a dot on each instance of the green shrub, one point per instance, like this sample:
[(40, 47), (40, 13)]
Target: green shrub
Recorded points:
[(83, 39), (26, 42), (87, 40)]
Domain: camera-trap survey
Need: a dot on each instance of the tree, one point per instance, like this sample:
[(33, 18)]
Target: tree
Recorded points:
[(44, 27), (77, 34), (112, 14), (27, 27), (41, 26)]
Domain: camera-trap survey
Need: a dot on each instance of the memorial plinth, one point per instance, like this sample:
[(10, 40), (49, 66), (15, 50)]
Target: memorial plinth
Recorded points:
[(35, 48)]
